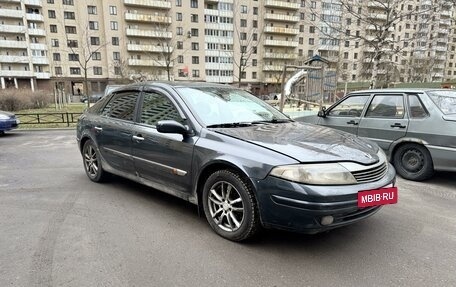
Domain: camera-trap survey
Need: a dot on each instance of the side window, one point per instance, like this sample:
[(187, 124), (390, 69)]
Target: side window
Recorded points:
[(386, 106), (121, 106), (157, 107), (350, 107), (416, 108)]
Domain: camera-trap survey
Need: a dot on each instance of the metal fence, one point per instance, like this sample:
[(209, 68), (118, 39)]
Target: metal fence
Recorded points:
[(48, 118)]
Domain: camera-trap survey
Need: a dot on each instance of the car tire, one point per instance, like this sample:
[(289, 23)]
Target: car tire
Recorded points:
[(230, 206), (413, 161), (92, 162)]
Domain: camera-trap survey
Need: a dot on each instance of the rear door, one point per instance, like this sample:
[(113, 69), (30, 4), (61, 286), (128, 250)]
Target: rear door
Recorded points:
[(385, 119), (346, 114), (113, 132), (163, 159)]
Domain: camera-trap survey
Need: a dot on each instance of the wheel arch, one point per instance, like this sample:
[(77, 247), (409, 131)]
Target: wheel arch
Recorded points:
[(403, 141)]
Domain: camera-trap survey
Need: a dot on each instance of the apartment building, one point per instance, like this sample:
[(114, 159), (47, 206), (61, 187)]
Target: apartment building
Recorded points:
[(58, 43)]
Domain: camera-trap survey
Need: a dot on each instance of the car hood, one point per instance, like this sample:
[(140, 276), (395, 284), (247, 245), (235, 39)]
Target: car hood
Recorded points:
[(307, 142), (7, 114)]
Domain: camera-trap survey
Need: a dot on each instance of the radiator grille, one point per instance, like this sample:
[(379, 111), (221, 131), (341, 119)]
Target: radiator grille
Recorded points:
[(371, 174)]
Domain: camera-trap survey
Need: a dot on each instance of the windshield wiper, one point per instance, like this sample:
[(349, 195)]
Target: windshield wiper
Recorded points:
[(273, 121), (231, 125)]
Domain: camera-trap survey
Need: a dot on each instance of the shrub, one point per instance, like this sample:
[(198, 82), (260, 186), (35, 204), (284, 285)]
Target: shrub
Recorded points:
[(14, 99)]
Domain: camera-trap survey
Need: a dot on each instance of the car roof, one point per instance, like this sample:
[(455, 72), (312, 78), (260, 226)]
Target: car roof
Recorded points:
[(398, 90), (179, 84)]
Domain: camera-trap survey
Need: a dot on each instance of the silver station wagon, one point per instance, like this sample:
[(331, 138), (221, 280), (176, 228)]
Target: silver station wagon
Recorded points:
[(416, 128)]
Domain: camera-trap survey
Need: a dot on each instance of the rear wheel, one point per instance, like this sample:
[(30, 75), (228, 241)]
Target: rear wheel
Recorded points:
[(230, 206), (92, 162), (413, 161)]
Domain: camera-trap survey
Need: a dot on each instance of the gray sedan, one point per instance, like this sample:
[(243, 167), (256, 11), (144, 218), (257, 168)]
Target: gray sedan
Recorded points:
[(416, 128)]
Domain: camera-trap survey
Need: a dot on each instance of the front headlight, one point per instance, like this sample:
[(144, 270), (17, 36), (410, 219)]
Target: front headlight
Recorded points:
[(317, 174)]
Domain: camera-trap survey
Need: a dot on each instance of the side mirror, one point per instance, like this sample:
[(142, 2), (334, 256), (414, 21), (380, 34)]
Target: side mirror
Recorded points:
[(173, 127), (322, 112)]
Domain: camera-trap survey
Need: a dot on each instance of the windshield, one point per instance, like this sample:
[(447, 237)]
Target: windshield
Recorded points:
[(219, 106), (445, 100)]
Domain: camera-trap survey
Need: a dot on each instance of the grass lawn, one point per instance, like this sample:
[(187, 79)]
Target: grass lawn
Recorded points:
[(71, 108), (58, 119)]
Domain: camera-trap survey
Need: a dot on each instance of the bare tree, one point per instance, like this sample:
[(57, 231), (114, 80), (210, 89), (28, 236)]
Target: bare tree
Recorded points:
[(373, 25)]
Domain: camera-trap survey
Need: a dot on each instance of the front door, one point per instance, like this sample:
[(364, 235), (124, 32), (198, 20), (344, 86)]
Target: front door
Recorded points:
[(385, 120), (165, 160)]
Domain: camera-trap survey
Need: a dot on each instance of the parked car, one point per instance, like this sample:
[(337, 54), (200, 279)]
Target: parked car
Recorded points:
[(244, 163), (93, 98), (8, 121), (416, 128)]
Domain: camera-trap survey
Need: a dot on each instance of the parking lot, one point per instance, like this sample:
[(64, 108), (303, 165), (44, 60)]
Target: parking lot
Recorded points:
[(60, 229)]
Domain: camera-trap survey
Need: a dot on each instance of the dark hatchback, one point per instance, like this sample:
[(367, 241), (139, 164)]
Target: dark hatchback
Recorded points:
[(8, 121), (245, 164)]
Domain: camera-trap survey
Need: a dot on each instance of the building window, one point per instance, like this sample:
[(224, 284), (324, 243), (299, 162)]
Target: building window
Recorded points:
[(255, 10), (97, 71), (254, 62), (54, 42), (117, 70), (114, 25), (70, 29), (58, 70), (195, 60), (116, 55), (50, 1), (68, 15), (180, 59), (56, 56), (93, 25), (178, 3), (243, 9), (95, 41), (312, 29), (75, 71), (178, 16), (195, 46), (96, 56), (73, 57), (195, 73), (254, 75), (311, 41), (53, 28), (72, 43), (243, 75), (179, 31), (180, 45), (113, 10), (115, 41), (243, 23), (194, 4), (68, 2), (194, 18), (194, 32), (92, 9), (51, 14), (243, 36)]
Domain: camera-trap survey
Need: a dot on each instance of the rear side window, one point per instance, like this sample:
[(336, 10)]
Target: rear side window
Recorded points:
[(121, 106), (386, 106), (416, 108), (350, 107), (157, 107)]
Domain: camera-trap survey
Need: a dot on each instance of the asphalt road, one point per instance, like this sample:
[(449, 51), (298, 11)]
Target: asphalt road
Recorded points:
[(59, 229)]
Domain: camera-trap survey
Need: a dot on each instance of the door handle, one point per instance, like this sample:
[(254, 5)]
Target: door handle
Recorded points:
[(98, 129), (398, 125), (352, 122), (138, 138)]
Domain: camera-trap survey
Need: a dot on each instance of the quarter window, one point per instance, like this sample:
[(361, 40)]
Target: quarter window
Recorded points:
[(157, 107), (417, 110), (121, 106)]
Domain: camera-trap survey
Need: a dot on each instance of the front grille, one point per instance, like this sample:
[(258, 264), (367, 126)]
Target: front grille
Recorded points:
[(371, 174)]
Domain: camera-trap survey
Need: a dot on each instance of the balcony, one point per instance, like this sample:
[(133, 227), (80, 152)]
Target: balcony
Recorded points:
[(147, 63), (273, 68), (37, 32), (13, 44), (34, 17), (42, 75), (281, 43), (282, 18), (220, 79), (11, 13), (376, 5), (441, 48), (38, 46), (445, 13), (40, 61), (282, 56), (149, 48), (37, 3), (213, 12), (273, 80), (149, 33), (14, 59), (445, 22), (219, 40), (147, 18), (377, 16), (16, 73), (282, 4), (328, 48), (281, 30), (218, 66), (158, 4)]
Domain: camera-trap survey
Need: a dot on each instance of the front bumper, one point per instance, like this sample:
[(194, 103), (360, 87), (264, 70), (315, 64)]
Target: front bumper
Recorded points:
[(298, 207), (9, 124)]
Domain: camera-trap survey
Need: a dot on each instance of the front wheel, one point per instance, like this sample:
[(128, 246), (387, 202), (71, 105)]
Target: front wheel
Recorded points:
[(414, 162), (92, 162), (230, 206)]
